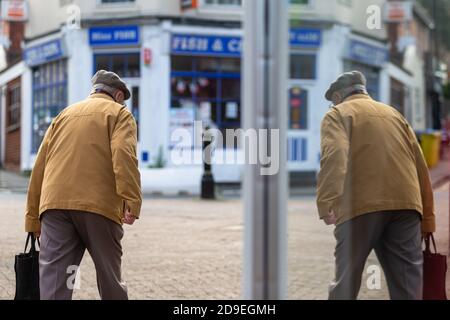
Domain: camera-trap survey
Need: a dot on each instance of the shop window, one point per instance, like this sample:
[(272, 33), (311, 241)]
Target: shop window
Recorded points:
[(398, 95), (303, 66), (212, 87), (230, 65), (223, 2), (298, 109), (126, 65), (135, 106), (49, 97), (372, 75), (13, 107), (231, 89), (207, 64), (182, 63)]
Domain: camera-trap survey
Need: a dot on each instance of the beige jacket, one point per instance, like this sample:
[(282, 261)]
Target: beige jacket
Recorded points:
[(87, 161), (371, 161)]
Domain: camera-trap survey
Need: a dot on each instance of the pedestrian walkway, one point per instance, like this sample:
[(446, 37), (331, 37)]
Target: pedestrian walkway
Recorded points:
[(441, 172), (184, 248), (13, 182), (440, 178)]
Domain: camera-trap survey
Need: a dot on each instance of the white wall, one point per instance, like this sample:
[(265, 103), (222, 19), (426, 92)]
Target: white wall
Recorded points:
[(347, 12), (416, 66), (155, 92), (44, 16), (79, 64), (26, 161)]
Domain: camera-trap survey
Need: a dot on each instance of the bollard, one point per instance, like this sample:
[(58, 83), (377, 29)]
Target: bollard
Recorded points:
[(207, 184)]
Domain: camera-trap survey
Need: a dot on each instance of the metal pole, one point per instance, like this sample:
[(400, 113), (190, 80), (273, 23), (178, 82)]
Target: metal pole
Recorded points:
[(265, 107), (207, 183)]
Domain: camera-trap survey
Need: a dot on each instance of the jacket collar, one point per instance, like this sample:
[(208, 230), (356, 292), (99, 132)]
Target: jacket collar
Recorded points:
[(100, 95), (358, 96)]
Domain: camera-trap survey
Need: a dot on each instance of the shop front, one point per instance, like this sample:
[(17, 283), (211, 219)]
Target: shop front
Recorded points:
[(369, 58), (47, 62), (118, 49), (205, 85), (303, 74)]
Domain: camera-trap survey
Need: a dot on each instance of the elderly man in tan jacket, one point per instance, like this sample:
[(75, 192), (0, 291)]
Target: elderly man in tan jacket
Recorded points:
[(84, 185), (374, 186)]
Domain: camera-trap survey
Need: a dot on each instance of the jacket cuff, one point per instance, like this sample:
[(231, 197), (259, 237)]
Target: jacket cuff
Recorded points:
[(428, 225), (135, 208), (324, 210), (32, 224)]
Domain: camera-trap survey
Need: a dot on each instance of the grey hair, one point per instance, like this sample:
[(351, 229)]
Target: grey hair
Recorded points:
[(104, 87), (357, 87)]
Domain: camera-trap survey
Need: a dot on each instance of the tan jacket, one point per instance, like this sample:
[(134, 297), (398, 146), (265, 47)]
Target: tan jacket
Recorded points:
[(87, 161), (371, 161)]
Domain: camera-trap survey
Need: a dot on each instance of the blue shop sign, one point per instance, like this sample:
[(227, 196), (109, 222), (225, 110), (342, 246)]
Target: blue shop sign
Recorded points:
[(115, 35), (43, 53), (366, 53), (206, 45), (305, 37)]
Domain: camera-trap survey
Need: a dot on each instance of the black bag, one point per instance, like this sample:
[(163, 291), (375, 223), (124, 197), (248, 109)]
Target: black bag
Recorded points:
[(26, 266)]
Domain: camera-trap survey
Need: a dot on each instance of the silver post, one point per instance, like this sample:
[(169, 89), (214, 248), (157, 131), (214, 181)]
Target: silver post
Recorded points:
[(265, 107)]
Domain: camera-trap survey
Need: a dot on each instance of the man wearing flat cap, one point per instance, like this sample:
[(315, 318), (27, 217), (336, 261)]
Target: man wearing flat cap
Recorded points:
[(374, 186), (84, 185)]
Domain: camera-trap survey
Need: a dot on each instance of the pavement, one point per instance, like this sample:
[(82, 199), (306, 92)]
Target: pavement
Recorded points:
[(185, 248)]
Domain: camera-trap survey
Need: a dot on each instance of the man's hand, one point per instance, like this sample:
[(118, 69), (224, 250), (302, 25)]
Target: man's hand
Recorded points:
[(425, 235), (330, 219), (37, 234), (128, 217)]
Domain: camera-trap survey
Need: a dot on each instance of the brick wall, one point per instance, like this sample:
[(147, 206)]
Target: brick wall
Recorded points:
[(12, 132), (16, 34), (12, 150)]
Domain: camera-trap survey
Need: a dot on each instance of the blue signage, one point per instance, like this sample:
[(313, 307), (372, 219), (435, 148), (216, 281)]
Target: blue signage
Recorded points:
[(366, 53), (116, 35), (206, 45), (43, 53), (232, 45), (305, 37)]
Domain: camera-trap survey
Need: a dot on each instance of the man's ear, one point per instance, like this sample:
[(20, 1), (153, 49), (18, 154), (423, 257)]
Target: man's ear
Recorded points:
[(119, 95), (336, 97)]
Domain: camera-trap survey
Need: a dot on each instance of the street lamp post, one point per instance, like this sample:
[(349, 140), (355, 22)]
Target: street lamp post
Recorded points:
[(265, 108), (207, 183)]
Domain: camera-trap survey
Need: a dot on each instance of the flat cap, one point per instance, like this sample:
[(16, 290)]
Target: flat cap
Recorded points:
[(112, 80), (346, 80)]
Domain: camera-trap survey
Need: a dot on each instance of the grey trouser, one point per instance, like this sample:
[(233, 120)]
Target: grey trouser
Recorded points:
[(396, 238), (65, 235)]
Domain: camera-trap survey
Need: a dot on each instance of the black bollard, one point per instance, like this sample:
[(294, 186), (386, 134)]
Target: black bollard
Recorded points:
[(208, 186)]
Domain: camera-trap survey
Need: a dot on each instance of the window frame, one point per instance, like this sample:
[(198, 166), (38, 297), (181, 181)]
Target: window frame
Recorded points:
[(304, 53), (11, 107), (111, 54), (218, 99)]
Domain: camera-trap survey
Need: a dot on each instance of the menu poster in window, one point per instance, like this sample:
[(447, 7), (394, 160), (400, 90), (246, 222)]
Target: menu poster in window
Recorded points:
[(231, 110), (298, 99), (181, 118)]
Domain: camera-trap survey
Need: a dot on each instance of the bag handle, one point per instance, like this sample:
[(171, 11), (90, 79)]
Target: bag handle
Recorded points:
[(427, 243), (33, 242)]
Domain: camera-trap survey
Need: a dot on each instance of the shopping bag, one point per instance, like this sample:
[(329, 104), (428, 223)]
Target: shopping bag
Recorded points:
[(26, 267), (434, 272)]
